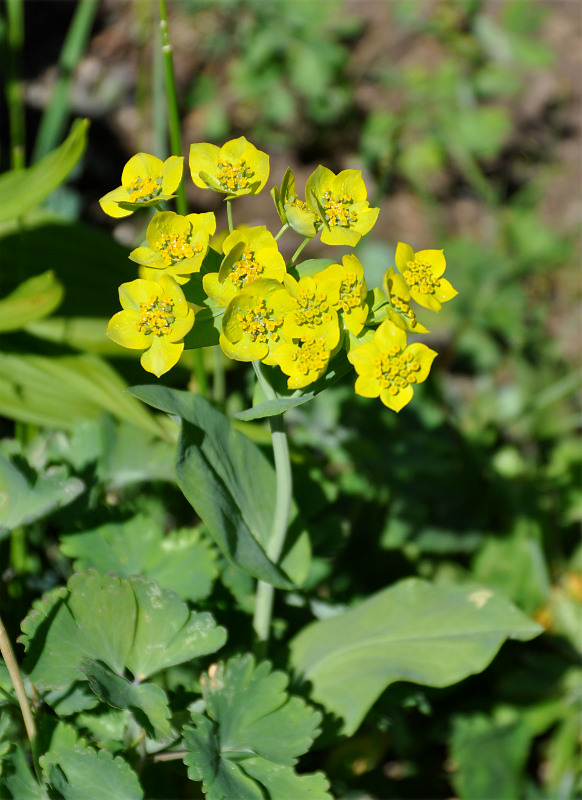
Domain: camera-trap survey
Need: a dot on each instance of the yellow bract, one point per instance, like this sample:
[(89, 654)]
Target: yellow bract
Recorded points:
[(352, 291), (176, 245), (313, 313), (303, 360), (292, 210), (145, 181), (155, 318), (388, 369), (237, 168), (422, 272), (398, 309), (339, 202)]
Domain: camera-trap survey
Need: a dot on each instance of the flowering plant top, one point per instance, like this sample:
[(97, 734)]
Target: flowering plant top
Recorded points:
[(236, 289)]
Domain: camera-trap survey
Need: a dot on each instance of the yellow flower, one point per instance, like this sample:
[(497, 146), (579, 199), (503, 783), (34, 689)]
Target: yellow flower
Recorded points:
[(352, 291), (313, 311), (253, 321), (387, 368), (145, 181), (250, 254), (398, 309), (292, 210), (304, 360), (341, 205), (155, 318), (176, 245), (422, 272), (235, 169)]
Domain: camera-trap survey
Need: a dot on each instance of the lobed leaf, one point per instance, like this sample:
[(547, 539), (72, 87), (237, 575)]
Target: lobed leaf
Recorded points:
[(80, 773)]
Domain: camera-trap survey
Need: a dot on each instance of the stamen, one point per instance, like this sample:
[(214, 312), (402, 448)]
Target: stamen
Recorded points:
[(142, 189), (419, 275), (156, 316), (233, 176), (257, 323)]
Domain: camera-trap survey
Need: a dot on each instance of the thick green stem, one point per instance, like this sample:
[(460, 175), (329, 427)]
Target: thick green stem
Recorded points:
[(14, 88), (16, 678), (229, 215), (297, 253), (284, 488)]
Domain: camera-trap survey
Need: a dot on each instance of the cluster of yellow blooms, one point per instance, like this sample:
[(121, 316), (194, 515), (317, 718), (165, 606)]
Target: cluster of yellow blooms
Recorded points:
[(298, 315)]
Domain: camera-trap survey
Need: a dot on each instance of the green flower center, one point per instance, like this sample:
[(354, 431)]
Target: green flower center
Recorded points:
[(350, 295), (142, 189), (246, 269), (312, 308), (256, 322), (419, 276), (394, 370), (176, 247), (156, 315), (310, 355), (337, 210), (233, 176)]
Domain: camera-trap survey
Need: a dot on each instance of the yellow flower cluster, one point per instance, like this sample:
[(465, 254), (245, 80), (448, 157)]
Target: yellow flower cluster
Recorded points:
[(296, 315)]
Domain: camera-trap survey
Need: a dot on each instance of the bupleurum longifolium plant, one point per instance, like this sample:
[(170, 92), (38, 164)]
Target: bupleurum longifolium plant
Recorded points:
[(298, 315)]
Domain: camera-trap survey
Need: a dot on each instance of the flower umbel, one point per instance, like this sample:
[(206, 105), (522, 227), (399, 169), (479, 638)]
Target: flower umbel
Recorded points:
[(235, 169), (352, 291), (388, 369), (145, 181), (155, 318), (304, 360), (340, 203)]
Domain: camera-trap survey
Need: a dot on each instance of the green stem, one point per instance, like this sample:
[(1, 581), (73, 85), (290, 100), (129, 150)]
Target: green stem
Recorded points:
[(284, 487), (282, 231), (297, 253), (14, 88), (12, 666), (56, 113), (229, 215), (172, 100)]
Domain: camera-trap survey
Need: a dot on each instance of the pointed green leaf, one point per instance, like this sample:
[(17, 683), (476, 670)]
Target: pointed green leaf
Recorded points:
[(80, 774), (147, 702), (181, 560), (256, 735), (35, 298), (412, 631), (226, 478), (22, 190)]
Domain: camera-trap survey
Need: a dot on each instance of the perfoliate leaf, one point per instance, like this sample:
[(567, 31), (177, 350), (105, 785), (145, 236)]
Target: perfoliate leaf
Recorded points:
[(253, 737), (79, 774), (182, 560), (412, 631), (230, 484), (124, 623)]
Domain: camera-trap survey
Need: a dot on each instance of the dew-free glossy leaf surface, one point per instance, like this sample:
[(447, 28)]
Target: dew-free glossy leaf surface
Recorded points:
[(412, 631), (80, 773), (33, 299)]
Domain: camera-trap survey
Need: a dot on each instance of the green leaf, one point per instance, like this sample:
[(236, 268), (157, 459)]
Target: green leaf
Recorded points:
[(412, 631), (54, 392), (147, 702), (181, 561), (79, 774), (228, 481), (22, 500), (125, 623), (35, 298), (22, 784), (22, 190), (253, 737)]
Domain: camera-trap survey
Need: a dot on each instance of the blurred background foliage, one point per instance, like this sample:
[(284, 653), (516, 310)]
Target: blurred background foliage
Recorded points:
[(465, 117)]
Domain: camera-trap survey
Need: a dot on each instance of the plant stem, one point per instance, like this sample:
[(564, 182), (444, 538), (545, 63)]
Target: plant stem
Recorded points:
[(176, 150), (229, 215), (266, 591), (172, 100), (16, 678), (281, 232), (14, 89), (297, 253)]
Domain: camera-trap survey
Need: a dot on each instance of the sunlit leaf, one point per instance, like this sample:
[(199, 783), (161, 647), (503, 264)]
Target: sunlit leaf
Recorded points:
[(35, 298)]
